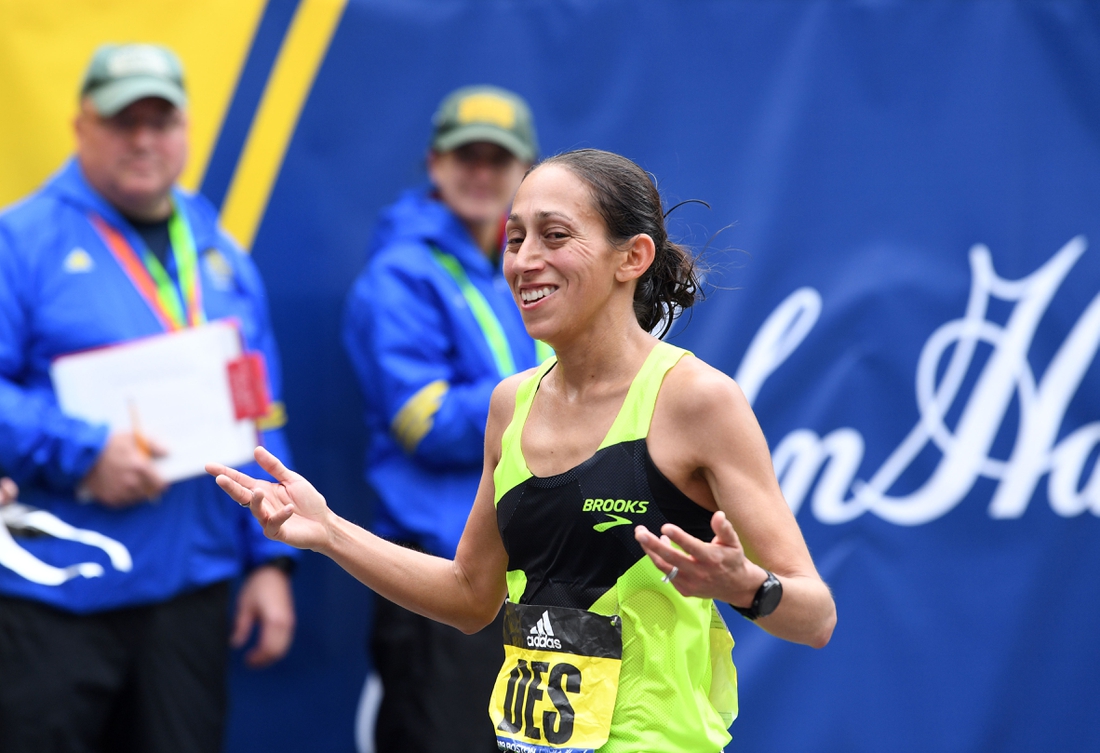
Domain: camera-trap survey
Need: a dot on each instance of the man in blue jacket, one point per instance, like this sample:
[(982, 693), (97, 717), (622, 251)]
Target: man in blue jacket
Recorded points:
[(431, 328), (109, 250)]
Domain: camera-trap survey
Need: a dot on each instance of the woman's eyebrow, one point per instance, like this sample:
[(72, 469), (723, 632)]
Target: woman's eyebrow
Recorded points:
[(543, 215)]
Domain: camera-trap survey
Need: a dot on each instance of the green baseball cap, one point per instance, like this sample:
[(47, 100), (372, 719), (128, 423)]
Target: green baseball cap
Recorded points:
[(120, 75), (485, 113)]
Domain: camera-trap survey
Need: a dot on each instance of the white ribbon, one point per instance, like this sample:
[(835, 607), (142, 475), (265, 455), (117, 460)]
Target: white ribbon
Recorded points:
[(20, 517)]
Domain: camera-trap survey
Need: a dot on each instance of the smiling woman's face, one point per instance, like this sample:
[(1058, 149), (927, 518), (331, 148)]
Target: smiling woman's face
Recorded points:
[(558, 261)]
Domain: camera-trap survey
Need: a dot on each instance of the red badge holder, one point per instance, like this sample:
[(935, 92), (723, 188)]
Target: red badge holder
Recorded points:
[(248, 386)]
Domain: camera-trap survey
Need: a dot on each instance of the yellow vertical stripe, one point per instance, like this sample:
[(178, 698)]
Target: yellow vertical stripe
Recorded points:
[(303, 49), (45, 46)]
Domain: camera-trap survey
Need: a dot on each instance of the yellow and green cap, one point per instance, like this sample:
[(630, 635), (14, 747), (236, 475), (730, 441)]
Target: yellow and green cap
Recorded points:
[(485, 113), (120, 75)]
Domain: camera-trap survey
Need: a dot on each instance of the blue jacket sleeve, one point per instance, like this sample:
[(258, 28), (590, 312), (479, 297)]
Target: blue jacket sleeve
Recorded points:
[(38, 444), (400, 341), (259, 336)]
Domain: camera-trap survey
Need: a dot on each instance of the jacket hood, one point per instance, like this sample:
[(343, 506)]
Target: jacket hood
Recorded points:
[(418, 217)]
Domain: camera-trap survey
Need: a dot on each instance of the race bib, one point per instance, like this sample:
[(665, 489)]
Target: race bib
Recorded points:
[(556, 689)]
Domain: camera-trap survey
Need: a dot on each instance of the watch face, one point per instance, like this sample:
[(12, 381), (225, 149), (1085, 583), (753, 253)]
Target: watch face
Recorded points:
[(768, 597)]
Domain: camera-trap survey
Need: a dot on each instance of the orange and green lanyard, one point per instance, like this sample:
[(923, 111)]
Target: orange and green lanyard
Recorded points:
[(152, 280)]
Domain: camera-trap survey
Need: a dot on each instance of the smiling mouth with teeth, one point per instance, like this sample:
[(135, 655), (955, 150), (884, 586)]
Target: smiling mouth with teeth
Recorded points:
[(535, 294)]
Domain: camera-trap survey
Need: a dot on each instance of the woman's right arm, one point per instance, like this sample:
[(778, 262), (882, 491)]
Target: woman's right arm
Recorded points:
[(466, 592)]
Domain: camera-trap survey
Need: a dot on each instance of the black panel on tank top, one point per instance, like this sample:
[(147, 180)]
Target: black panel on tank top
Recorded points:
[(677, 506), (550, 537)]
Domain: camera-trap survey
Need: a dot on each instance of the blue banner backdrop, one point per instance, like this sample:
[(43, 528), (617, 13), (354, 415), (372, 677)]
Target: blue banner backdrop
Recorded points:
[(906, 287)]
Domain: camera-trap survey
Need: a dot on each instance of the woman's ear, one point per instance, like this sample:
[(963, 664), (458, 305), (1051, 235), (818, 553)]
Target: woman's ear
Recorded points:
[(638, 257)]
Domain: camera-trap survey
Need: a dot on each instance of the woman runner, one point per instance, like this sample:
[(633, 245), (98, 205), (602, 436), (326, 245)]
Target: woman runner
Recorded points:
[(626, 487)]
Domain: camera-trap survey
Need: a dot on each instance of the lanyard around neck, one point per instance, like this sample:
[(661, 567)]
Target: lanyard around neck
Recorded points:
[(152, 280), (482, 311)]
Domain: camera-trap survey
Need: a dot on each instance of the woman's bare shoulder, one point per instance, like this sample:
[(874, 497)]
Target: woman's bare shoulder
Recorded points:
[(694, 391), (503, 403), (502, 407)]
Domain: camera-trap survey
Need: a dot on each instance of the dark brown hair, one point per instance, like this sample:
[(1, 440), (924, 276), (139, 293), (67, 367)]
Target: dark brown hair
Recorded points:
[(627, 199)]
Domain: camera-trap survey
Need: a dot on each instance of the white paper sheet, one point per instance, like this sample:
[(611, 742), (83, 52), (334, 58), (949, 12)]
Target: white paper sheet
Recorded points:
[(175, 386)]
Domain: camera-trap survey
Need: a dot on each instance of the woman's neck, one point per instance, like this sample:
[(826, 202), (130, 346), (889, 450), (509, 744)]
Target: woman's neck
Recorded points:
[(604, 358)]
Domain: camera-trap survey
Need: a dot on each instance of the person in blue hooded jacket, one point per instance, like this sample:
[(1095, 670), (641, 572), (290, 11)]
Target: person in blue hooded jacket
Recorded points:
[(115, 636), (431, 328)]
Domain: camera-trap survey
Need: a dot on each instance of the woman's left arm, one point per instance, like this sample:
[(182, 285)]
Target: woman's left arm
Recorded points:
[(706, 439)]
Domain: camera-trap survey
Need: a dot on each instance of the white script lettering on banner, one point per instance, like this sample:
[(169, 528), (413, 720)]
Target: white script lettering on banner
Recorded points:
[(833, 460)]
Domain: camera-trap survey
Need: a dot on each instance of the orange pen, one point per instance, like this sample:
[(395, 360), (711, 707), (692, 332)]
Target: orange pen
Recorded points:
[(135, 427)]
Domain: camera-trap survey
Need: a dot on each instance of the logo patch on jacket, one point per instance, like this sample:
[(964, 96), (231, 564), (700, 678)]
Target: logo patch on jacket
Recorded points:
[(219, 269), (77, 261)]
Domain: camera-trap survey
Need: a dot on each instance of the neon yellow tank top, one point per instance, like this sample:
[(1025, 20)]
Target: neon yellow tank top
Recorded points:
[(570, 542)]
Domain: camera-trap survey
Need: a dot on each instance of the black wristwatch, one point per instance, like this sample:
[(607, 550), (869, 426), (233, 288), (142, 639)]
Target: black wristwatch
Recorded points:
[(766, 599)]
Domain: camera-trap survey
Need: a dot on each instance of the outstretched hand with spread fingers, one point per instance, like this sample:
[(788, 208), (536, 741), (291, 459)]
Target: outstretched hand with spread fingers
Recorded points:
[(290, 510), (717, 569)]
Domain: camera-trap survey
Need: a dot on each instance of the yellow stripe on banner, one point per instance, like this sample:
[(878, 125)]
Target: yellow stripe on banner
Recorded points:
[(303, 49), (45, 47)]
